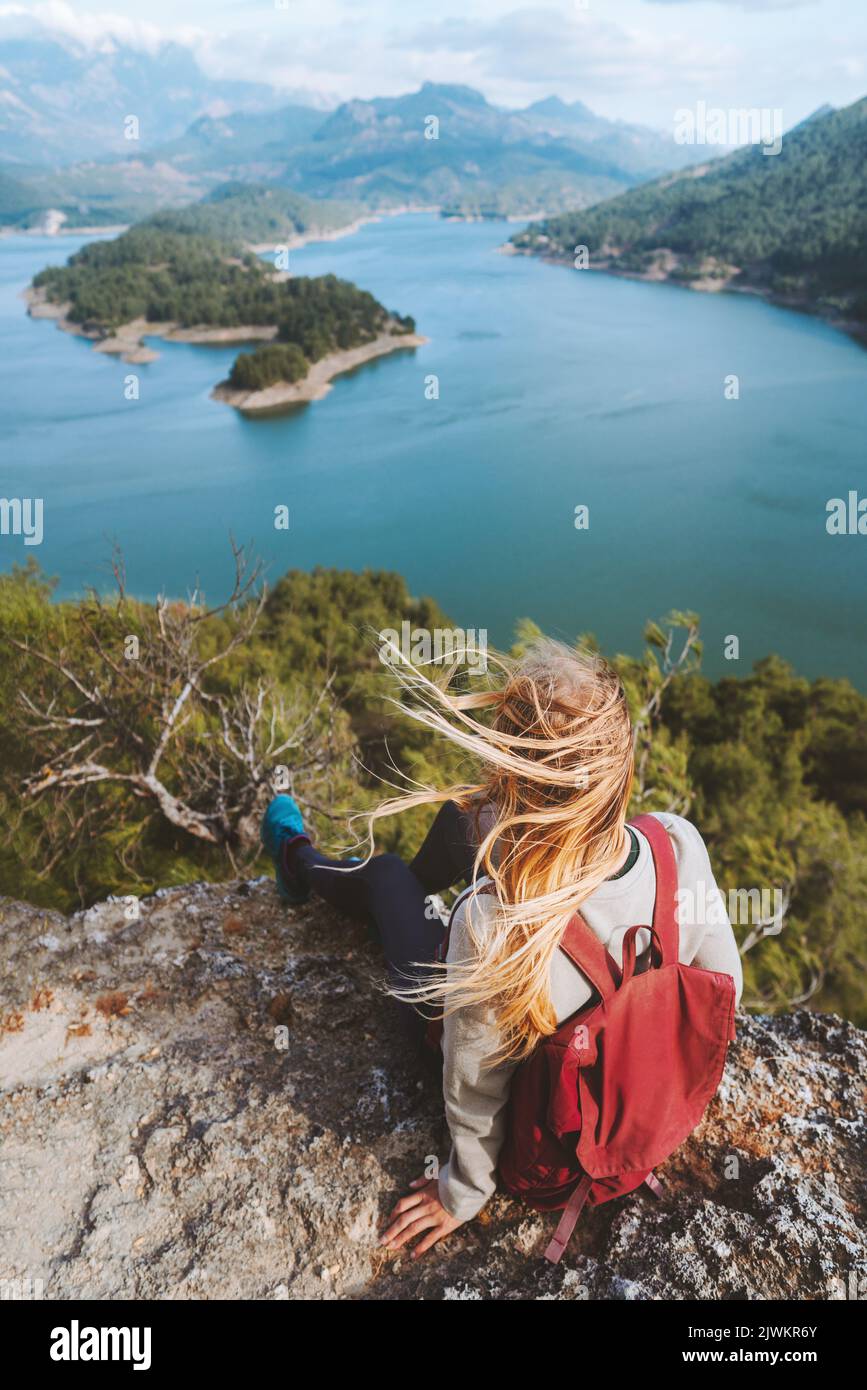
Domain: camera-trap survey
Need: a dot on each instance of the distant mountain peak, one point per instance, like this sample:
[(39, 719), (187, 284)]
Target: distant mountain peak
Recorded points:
[(453, 91), (556, 106)]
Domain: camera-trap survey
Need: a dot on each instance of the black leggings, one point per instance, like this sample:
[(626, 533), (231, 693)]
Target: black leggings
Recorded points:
[(393, 895)]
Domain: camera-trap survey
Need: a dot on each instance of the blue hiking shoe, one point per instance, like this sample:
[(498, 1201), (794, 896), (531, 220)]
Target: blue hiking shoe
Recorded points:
[(281, 822)]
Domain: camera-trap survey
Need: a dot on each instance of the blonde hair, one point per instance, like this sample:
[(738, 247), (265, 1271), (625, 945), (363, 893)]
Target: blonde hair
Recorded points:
[(556, 764)]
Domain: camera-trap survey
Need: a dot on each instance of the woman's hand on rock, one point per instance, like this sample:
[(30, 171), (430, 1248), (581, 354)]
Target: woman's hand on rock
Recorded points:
[(419, 1212)]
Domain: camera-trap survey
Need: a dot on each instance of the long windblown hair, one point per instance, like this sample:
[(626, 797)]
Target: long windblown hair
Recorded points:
[(552, 741)]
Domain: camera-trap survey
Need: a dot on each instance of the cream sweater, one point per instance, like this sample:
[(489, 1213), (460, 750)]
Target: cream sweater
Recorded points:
[(476, 1097)]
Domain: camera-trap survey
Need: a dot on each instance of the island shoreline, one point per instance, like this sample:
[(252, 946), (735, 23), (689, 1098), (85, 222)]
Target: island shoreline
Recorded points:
[(128, 344), (283, 395), (709, 285)]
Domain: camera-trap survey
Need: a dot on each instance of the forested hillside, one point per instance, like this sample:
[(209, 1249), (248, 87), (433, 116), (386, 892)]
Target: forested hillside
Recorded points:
[(794, 224), (255, 213)]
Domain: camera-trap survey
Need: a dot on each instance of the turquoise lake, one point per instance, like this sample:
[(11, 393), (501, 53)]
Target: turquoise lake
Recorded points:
[(557, 388)]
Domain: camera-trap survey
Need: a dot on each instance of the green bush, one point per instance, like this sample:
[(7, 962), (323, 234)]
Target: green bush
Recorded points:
[(254, 371)]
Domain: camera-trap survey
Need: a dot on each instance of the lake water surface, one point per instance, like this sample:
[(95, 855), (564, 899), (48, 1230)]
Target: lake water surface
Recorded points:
[(556, 388)]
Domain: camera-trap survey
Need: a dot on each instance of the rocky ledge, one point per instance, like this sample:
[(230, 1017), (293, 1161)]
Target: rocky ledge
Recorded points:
[(205, 1095)]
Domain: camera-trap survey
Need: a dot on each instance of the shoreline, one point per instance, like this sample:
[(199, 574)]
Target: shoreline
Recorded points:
[(293, 240), (297, 239), (658, 275), (283, 395), (318, 235), (128, 344), (114, 230)]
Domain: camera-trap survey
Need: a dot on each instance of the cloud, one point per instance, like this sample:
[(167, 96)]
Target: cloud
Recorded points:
[(297, 50), (641, 59), (758, 5), (388, 48), (99, 32), (546, 47)]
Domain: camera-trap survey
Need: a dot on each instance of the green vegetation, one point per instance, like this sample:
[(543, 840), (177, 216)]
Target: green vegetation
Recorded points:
[(121, 771), (255, 213), (156, 275), (777, 768), (794, 223), (309, 654), (194, 280), (265, 366)]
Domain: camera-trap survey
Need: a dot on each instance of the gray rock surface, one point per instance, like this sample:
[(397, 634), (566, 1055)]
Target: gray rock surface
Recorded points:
[(161, 1137)]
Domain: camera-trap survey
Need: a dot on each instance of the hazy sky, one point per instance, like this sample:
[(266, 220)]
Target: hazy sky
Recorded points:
[(635, 59)]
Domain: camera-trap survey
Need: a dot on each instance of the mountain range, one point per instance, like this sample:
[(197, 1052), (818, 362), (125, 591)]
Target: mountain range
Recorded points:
[(388, 152), (62, 101), (63, 146)]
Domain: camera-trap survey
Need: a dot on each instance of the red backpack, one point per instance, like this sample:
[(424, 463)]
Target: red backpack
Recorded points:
[(621, 1083)]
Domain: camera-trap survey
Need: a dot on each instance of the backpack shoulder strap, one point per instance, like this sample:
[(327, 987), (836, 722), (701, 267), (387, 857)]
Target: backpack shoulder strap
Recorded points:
[(665, 903), (581, 944), (586, 952)]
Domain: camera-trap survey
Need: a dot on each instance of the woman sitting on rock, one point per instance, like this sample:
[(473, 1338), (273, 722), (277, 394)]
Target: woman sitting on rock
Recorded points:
[(540, 833)]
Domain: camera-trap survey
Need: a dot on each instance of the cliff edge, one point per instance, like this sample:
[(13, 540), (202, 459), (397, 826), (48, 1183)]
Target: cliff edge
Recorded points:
[(213, 1100)]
